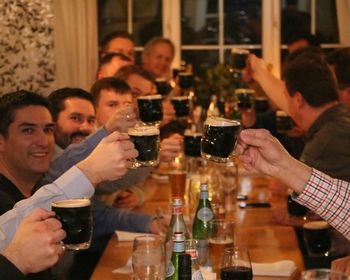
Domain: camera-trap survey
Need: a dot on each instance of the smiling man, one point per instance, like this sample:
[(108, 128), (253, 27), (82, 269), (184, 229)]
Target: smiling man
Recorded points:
[(26, 145), (74, 116)]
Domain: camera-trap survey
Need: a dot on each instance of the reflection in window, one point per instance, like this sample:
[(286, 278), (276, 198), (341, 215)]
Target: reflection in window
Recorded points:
[(146, 18), (199, 22), (242, 21)]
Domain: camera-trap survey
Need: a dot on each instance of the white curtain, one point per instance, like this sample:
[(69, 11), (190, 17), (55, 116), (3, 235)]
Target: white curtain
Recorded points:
[(75, 38), (343, 11)]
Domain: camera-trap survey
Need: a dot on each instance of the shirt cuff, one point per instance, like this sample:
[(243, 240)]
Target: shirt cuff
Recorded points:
[(75, 184)]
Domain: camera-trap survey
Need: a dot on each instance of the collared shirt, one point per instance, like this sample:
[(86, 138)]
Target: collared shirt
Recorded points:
[(327, 146), (329, 198), (72, 184)]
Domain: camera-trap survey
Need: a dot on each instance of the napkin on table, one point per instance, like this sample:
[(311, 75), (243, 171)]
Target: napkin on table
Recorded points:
[(280, 268), (127, 235)]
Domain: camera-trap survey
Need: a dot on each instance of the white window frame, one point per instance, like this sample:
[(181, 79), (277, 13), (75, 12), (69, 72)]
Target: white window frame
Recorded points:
[(271, 30)]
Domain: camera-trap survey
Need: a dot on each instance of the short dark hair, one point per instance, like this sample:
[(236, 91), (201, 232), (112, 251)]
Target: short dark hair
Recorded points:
[(307, 72), (340, 59), (109, 83), (57, 98), (124, 72), (312, 40), (116, 34), (10, 102)]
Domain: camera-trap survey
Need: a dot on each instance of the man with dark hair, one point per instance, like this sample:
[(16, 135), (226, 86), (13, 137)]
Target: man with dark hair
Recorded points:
[(26, 145), (74, 115), (111, 63), (339, 60), (119, 42), (157, 57)]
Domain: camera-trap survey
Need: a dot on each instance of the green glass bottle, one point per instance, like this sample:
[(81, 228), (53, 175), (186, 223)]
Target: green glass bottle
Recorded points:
[(172, 271), (204, 214), (200, 229)]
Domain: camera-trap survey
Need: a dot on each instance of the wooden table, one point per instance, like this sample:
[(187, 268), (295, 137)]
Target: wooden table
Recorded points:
[(266, 241)]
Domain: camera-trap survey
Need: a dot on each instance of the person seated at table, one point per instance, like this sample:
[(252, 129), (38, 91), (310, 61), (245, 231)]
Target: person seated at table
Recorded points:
[(110, 64), (113, 96), (119, 42), (108, 161), (339, 60), (157, 56), (328, 197), (34, 248), (141, 83)]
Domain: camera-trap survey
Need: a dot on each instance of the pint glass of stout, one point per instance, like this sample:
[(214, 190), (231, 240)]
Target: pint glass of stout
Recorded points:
[(75, 216), (185, 80), (245, 98), (261, 104), (239, 58), (163, 88), (150, 109), (192, 141), (219, 138), (317, 237), (181, 105), (146, 141)]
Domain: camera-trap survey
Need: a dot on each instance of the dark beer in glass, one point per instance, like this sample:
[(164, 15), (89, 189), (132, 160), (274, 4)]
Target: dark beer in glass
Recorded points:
[(146, 141), (150, 109), (185, 80), (192, 142), (163, 87), (181, 105), (239, 58), (219, 138), (245, 98), (75, 216), (317, 237), (261, 104)]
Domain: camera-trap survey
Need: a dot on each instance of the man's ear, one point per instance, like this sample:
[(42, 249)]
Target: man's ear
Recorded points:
[(299, 100)]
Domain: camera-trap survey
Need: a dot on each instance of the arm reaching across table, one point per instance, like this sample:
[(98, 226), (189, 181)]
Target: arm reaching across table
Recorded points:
[(328, 197)]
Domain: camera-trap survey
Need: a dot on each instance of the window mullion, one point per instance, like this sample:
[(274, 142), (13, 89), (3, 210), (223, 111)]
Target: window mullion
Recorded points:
[(221, 30)]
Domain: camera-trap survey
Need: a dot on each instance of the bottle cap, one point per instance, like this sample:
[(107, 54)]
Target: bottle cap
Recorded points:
[(185, 268), (177, 201), (204, 187)]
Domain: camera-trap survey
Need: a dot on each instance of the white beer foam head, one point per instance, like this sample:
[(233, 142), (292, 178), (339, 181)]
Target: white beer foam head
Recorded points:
[(148, 97), (160, 80), (316, 225), (217, 121), (280, 113), (239, 51), (245, 91), (189, 132), (180, 98), (72, 203), (146, 130)]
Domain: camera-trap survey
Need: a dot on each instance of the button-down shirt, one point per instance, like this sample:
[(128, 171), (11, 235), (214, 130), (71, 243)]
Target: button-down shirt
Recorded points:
[(329, 198)]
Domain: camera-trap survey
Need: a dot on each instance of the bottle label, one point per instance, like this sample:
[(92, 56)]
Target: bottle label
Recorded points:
[(179, 247), (170, 270), (204, 195), (192, 253), (205, 214), (177, 210), (197, 275)]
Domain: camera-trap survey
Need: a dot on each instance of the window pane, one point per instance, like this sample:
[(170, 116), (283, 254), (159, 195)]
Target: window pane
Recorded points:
[(199, 22), (201, 60), (112, 16), (326, 21), (296, 19), (242, 21), (147, 20)]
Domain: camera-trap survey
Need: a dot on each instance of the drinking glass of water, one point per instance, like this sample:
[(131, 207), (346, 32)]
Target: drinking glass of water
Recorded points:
[(148, 257), (236, 264)]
